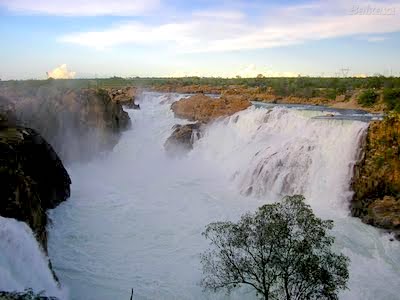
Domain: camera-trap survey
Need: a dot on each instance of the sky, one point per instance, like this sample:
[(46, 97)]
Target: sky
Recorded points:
[(159, 38)]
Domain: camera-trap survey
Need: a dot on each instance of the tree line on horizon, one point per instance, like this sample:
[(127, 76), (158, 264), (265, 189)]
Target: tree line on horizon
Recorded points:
[(306, 87)]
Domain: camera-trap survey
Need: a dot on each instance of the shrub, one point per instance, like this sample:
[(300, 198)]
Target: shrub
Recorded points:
[(367, 98), (391, 97)]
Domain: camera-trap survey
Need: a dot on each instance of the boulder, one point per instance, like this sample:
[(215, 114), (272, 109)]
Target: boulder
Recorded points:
[(384, 213), (182, 138), (203, 109)]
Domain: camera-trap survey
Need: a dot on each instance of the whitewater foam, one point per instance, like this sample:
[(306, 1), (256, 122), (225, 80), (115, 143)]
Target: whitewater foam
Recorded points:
[(22, 263)]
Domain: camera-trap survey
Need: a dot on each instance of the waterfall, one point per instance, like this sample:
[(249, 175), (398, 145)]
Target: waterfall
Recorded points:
[(135, 216), (22, 263), (277, 152)]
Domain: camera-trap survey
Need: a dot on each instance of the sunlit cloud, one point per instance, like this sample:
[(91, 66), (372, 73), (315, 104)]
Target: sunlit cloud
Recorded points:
[(61, 72), (81, 7), (218, 31)]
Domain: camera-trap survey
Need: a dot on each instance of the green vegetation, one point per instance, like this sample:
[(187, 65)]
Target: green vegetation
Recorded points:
[(368, 98), (306, 87), (391, 97), (283, 251)]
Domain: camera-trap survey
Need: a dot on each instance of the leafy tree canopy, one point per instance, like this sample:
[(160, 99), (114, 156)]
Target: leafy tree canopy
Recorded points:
[(283, 251)]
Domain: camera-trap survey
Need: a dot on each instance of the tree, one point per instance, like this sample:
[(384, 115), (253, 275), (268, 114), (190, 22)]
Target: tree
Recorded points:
[(283, 251)]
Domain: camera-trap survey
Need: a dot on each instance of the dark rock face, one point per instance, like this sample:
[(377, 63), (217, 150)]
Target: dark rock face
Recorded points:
[(33, 178), (376, 180), (182, 138), (78, 123)]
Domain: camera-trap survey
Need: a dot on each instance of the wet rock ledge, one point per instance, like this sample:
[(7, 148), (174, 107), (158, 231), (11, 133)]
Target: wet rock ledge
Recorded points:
[(376, 180)]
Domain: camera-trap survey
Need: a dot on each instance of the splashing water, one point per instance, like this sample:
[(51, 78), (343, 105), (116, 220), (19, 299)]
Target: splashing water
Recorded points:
[(22, 263), (135, 216)]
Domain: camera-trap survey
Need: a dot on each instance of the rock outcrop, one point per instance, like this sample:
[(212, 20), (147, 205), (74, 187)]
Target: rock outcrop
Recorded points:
[(126, 96), (78, 123), (376, 180), (32, 176), (203, 109), (182, 138)]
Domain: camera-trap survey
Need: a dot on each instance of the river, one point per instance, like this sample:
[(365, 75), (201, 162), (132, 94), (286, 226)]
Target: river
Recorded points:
[(135, 216)]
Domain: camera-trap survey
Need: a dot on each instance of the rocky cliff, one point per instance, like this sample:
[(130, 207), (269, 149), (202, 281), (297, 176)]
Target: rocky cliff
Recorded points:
[(376, 180), (78, 123), (33, 178)]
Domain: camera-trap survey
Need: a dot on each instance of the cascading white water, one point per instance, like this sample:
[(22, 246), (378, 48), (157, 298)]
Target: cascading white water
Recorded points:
[(284, 152), (22, 263), (136, 215)]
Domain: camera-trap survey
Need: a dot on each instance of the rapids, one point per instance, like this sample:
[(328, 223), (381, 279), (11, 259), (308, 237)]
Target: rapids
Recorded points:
[(135, 216)]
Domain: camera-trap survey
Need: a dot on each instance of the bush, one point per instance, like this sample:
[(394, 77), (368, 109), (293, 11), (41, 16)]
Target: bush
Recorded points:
[(391, 97), (283, 251), (367, 98)]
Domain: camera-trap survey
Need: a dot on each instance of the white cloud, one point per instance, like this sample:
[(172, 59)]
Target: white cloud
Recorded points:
[(208, 31), (81, 7), (220, 14), (61, 72)]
